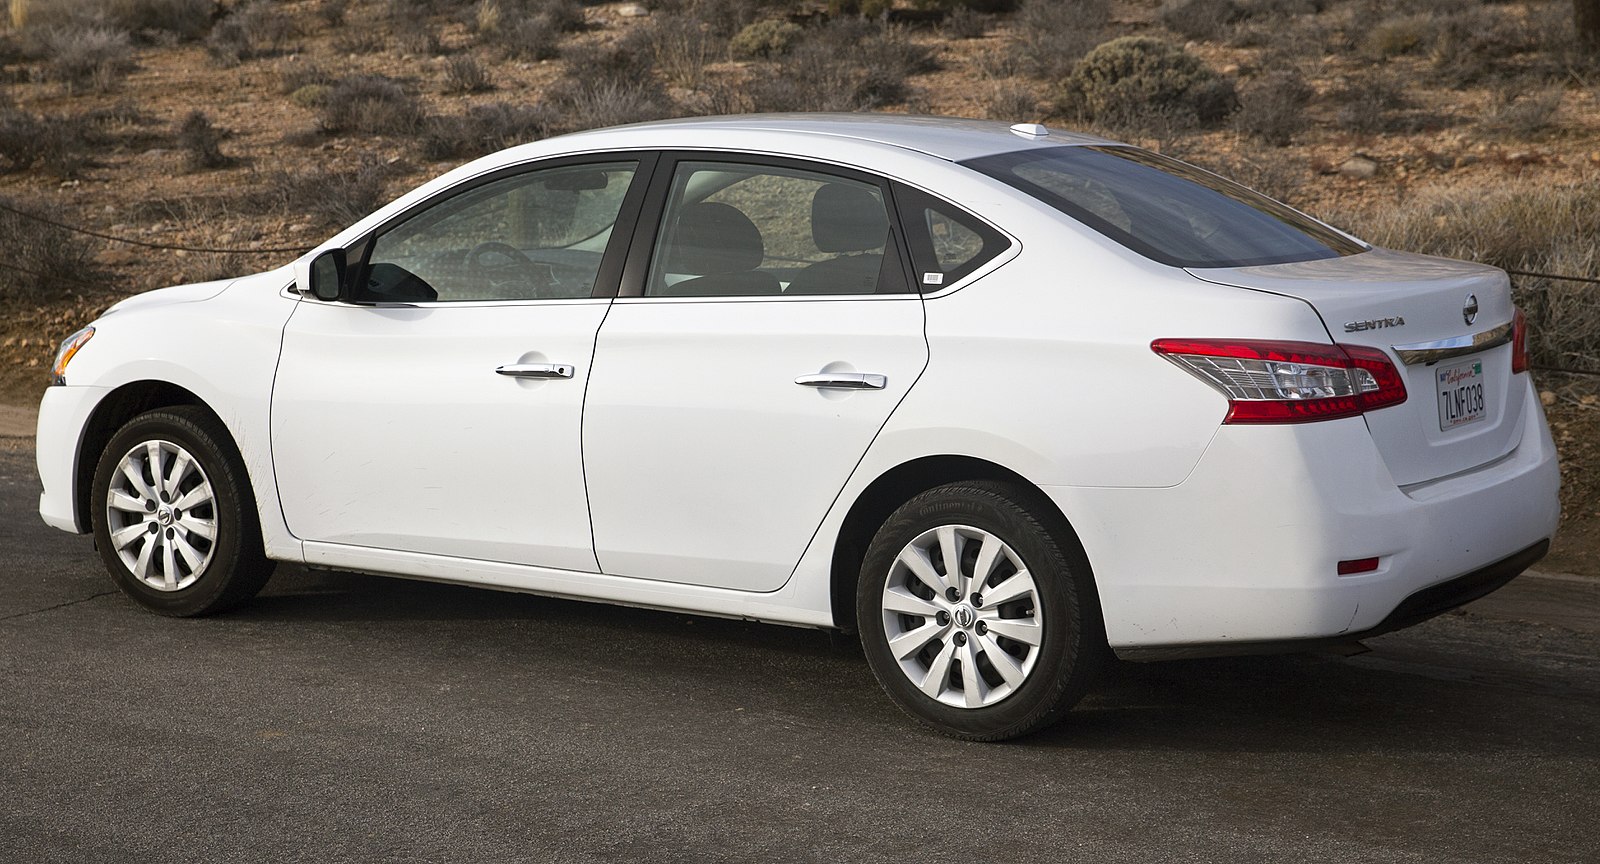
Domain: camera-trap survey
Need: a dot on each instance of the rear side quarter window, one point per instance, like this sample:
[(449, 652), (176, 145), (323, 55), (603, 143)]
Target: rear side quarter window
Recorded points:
[(947, 243)]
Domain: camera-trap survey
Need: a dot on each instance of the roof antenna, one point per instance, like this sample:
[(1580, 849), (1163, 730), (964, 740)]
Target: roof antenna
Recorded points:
[(1031, 130)]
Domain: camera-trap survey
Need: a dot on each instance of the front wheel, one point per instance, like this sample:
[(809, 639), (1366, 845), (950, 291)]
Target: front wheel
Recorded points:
[(974, 618), (173, 516)]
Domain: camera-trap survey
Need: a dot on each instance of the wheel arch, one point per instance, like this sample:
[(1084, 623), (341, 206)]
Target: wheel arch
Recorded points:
[(118, 407), (897, 486)]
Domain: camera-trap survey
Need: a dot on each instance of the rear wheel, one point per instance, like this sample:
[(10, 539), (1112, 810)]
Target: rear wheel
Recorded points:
[(974, 618), (173, 516)]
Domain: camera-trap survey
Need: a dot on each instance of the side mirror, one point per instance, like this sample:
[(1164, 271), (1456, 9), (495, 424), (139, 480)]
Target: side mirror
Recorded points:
[(327, 275)]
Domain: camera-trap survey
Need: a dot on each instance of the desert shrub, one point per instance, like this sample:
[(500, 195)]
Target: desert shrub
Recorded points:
[(1397, 36), (185, 19), (87, 57), (723, 19), (1273, 108), (769, 37), (1207, 20), (1369, 104), (356, 41), (332, 196), (530, 38), (54, 259), (629, 60), (293, 76), (62, 145), (574, 104), (149, 20), (1521, 110), (965, 23), (1478, 42), (483, 129), (978, 6), (682, 48), (201, 143), (1136, 82), (861, 8), (1053, 35), (372, 105), (1013, 101), (332, 12), (846, 65), (1527, 224), (462, 74), (254, 29)]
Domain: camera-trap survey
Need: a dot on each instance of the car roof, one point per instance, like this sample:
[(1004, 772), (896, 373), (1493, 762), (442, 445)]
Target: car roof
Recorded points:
[(949, 138)]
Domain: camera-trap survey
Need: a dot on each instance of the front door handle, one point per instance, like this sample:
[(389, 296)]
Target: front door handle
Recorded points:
[(536, 370), (844, 381)]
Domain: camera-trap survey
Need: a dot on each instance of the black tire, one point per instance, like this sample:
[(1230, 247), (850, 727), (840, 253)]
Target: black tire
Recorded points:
[(1072, 643), (236, 567)]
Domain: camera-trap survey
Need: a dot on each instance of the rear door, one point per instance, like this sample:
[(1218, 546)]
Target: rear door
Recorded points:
[(766, 332)]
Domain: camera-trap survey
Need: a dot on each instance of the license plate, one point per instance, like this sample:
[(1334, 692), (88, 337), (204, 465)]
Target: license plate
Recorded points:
[(1461, 399)]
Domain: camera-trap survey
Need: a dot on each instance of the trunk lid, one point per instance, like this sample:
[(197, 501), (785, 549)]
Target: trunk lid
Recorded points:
[(1463, 408)]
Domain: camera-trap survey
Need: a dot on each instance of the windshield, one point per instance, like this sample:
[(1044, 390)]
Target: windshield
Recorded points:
[(1164, 209)]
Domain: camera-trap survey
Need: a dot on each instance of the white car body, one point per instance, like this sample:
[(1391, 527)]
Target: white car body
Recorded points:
[(379, 440)]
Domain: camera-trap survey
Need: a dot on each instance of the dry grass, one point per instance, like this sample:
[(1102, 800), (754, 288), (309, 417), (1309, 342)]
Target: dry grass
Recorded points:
[(42, 262)]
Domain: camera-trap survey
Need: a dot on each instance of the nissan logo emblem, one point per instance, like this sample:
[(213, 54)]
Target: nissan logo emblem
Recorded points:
[(1469, 312)]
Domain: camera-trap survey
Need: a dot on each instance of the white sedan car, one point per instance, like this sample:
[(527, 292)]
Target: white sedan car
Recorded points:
[(999, 399)]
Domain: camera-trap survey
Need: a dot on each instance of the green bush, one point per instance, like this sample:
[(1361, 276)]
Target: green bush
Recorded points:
[(1135, 80), (771, 37)]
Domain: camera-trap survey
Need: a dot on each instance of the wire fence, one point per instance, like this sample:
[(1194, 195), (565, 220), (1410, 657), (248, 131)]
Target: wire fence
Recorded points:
[(265, 250)]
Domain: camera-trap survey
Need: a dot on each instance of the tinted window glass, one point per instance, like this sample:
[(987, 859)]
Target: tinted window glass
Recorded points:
[(534, 236), (947, 243), (1164, 209), (753, 230)]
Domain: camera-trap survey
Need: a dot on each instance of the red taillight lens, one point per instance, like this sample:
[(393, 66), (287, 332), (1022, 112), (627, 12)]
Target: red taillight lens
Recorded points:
[(1270, 381), (1519, 343)]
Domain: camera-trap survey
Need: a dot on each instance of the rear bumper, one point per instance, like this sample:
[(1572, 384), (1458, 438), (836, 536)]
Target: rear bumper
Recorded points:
[(1243, 554), (1419, 607), (63, 417)]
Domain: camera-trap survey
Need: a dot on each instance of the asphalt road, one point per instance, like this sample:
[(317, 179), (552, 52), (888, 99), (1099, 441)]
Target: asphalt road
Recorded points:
[(350, 718)]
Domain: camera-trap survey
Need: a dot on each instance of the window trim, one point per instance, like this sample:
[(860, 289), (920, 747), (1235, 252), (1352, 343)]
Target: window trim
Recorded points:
[(652, 213), (611, 262)]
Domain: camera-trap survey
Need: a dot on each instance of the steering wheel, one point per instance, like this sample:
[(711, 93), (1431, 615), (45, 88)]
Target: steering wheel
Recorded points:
[(518, 272)]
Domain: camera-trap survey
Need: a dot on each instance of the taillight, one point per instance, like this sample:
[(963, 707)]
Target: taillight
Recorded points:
[(1289, 382), (1519, 343)]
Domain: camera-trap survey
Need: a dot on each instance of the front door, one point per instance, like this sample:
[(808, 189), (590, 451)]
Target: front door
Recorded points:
[(439, 410)]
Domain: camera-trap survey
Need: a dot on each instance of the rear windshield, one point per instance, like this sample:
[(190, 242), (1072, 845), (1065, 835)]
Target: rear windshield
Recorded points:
[(1164, 209)]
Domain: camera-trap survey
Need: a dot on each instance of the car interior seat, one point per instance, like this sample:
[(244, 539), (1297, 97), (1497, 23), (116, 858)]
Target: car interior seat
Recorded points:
[(721, 248), (849, 222)]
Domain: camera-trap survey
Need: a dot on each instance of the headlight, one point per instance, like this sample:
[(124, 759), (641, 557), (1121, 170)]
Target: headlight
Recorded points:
[(64, 354)]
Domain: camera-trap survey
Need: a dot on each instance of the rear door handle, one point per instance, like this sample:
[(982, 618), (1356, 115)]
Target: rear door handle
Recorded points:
[(536, 370), (844, 381)]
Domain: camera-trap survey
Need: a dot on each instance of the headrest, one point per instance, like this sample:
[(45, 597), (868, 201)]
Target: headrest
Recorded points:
[(715, 238), (847, 219)]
